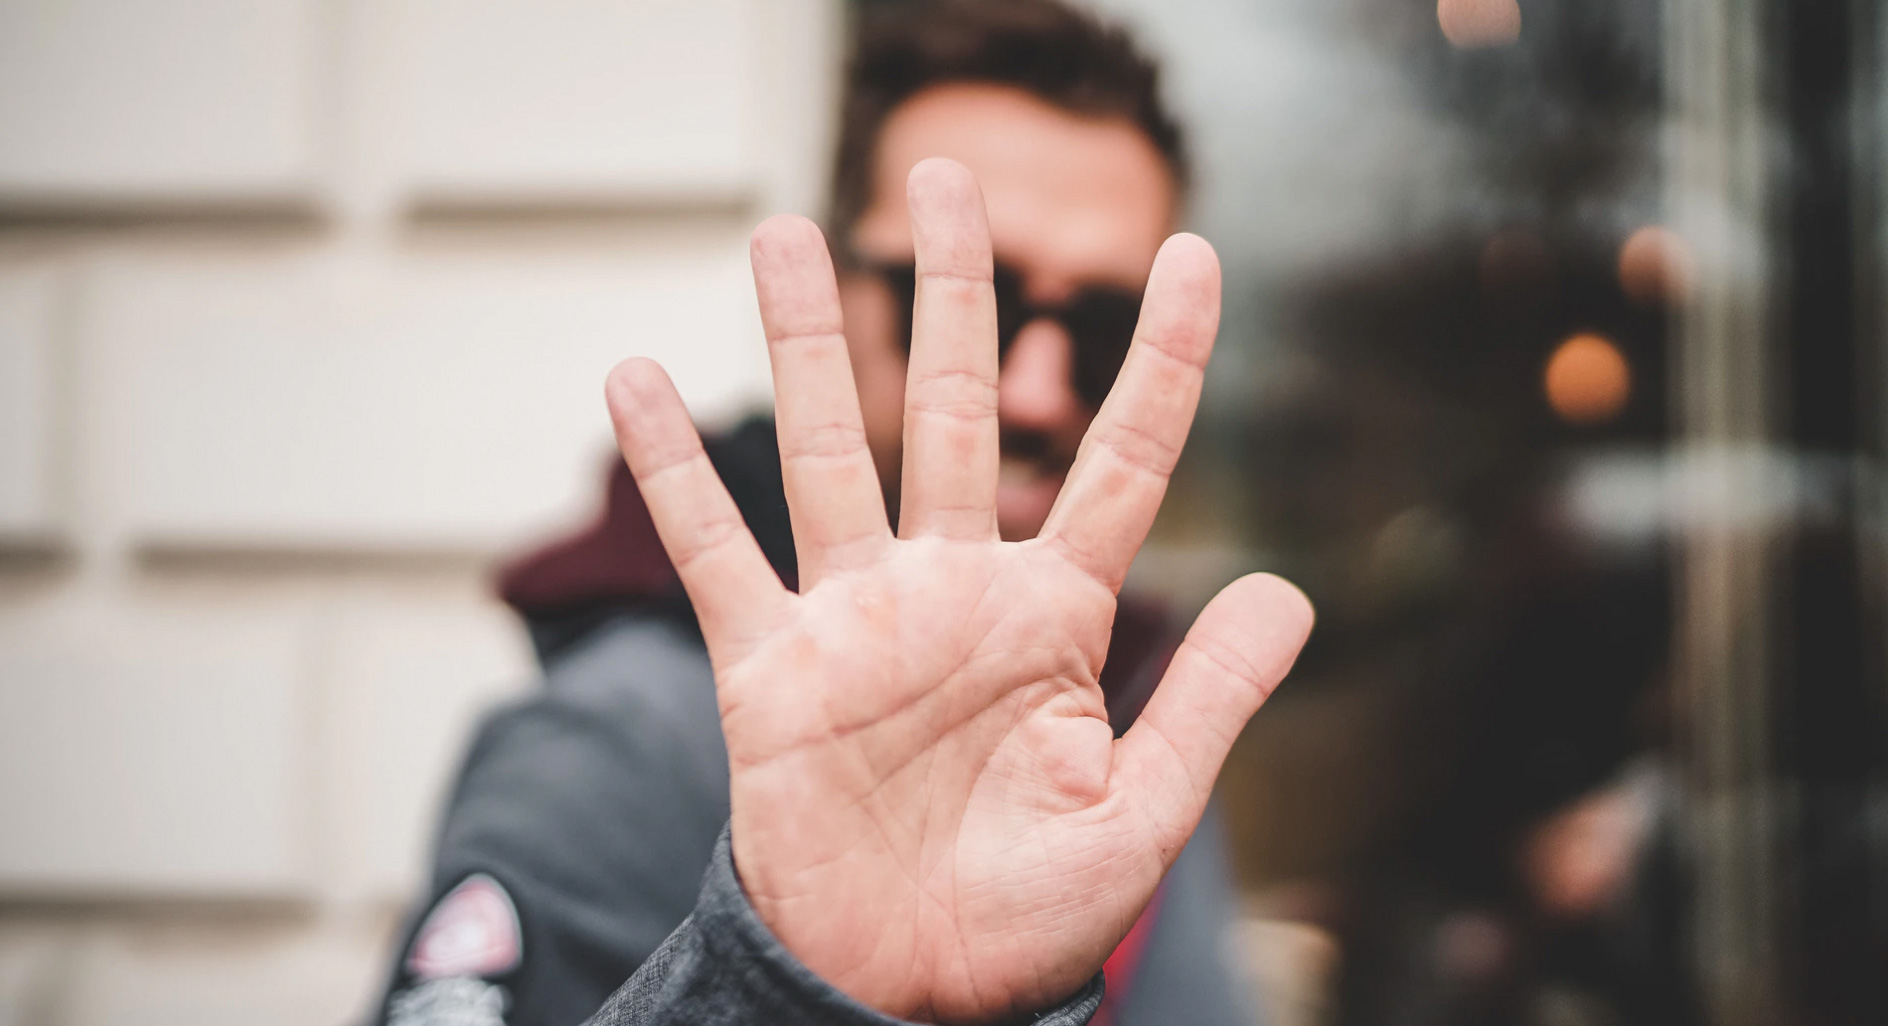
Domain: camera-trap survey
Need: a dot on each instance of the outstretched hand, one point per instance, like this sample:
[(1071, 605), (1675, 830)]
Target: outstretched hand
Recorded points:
[(929, 807)]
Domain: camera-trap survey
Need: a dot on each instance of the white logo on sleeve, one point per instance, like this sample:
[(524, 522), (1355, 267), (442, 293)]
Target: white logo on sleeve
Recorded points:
[(472, 931), (459, 1002)]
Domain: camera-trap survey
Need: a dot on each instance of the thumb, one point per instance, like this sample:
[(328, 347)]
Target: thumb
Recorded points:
[(1242, 645)]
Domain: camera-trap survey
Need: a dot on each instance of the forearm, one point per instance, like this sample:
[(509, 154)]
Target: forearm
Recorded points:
[(723, 967)]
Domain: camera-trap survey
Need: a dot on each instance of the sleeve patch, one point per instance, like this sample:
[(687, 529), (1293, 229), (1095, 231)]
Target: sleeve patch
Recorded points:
[(471, 932)]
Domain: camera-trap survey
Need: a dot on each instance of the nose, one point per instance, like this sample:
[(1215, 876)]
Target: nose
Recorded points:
[(1035, 390)]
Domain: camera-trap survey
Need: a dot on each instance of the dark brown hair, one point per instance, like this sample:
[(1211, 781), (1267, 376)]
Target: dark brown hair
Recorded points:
[(1060, 53)]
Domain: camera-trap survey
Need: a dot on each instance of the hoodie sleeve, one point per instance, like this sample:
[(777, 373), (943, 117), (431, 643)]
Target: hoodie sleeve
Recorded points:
[(574, 841), (587, 823), (723, 967)]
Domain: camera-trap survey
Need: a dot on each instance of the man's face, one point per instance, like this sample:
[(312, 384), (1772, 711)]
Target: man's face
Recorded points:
[(1074, 202)]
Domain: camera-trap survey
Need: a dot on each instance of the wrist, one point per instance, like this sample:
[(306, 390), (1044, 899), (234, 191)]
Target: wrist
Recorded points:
[(801, 961)]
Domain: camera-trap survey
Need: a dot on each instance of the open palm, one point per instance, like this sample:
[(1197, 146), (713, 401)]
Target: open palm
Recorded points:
[(929, 807)]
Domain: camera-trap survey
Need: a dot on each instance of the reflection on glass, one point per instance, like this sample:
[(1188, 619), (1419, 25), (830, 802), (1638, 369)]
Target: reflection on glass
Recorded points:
[(1476, 23), (1655, 266), (1575, 442), (1587, 380)]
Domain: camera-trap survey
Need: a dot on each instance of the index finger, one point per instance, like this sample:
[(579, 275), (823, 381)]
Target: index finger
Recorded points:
[(833, 492), (1121, 470), (736, 594)]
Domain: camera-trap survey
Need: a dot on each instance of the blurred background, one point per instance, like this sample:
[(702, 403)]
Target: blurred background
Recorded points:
[(1552, 368)]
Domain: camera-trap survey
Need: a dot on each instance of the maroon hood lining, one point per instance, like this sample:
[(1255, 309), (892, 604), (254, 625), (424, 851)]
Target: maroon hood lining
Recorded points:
[(617, 562)]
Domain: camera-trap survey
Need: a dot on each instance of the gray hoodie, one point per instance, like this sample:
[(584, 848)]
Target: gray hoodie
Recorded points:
[(583, 842)]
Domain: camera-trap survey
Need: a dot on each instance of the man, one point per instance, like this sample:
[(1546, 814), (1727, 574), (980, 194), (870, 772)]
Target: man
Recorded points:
[(577, 839)]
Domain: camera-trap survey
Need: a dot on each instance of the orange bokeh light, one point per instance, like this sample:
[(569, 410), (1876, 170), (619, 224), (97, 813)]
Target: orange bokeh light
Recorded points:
[(1588, 380), (1471, 24), (1655, 266)]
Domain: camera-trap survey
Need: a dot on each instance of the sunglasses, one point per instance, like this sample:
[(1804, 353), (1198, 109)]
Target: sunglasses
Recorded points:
[(1099, 319)]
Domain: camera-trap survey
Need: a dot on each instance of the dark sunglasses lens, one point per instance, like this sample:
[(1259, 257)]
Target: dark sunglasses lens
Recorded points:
[(1012, 312), (1101, 323)]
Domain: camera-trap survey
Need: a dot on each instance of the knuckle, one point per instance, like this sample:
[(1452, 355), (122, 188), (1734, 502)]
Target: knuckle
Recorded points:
[(710, 536), (660, 460), (807, 336), (956, 276), (1230, 663), (823, 441), (1177, 346), (1140, 448), (958, 394)]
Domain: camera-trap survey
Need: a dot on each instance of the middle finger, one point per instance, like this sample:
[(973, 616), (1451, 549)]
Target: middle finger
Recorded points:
[(950, 463)]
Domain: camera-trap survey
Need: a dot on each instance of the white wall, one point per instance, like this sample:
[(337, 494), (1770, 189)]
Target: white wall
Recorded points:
[(304, 311)]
